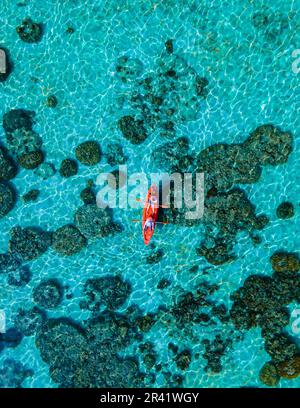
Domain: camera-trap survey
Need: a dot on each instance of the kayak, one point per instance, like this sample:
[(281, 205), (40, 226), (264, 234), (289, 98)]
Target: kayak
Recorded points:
[(150, 213)]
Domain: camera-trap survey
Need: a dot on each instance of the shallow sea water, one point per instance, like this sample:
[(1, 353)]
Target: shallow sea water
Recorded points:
[(251, 82)]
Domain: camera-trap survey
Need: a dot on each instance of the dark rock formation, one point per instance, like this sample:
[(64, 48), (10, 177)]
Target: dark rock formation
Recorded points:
[(88, 153), (285, 210), (68, 168), (48, 294), (29, 31), (68, 240), (94, 222), (109, 291), (132, 129), (7, 199), (29, 243)]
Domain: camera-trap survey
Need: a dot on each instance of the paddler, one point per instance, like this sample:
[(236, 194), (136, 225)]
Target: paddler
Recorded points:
[(152, 202), (149, 224)]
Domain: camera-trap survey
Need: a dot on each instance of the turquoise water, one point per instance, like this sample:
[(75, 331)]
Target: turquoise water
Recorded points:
[(251, 83)]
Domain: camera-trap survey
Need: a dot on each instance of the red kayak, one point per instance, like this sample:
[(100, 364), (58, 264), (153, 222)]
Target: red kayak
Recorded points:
[(150, 213)]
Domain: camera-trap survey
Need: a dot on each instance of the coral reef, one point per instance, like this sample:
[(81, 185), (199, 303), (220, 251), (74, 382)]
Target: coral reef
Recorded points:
[(59, 338), (285, 262), (169, 46), (290, 368), (48, 294), (260, 20), (285, 210), (29, 243), (217, 251), (155, 257), (144, 323), (262, 301), (45, 171), (88, 355), (186, 309), (271, 25), (128, 69), (132, 129), (88, 196), (22, 141), (91, 353), (171, 93), (13, 373), (31, 195), (7, 199), (112, 330), (31, 160), (12, 338), (18, 119), (51, 101), (216, 162), (270, 145), (28, 321), (281, 348), (220, 311), (201, 86), (9, 262), (183, 359), (214, 351), (149, 356), (163, 283), (173, 347), (17, 274), (8, 169), (88, 153), (19, 277), (266, 145), (254, 299), (29, 31), (109, 291), (225, 214), (68, 168), (149, 360), (227, 209), (67, 240), (115, 154), (70, 30), (268, 374), (94, 222), (173, 156)]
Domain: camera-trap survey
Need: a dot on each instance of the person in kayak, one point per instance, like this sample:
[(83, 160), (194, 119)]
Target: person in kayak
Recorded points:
[(149, 224), (152, 202)]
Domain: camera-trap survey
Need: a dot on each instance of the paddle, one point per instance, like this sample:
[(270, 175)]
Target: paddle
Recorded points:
[(157, 222), (161, 206)]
